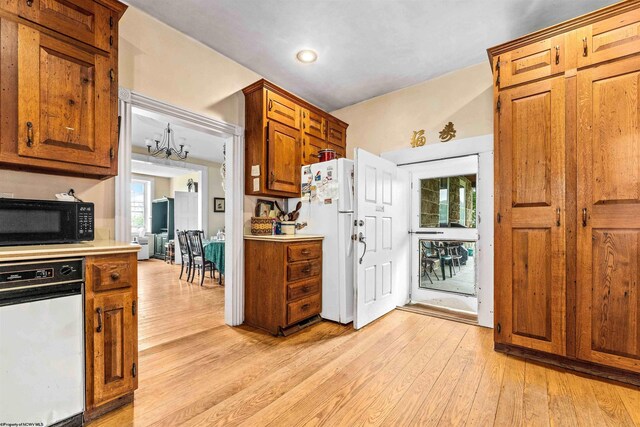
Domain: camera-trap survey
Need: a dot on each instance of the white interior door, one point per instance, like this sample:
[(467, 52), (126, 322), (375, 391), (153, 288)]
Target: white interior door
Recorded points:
[(382, 223)]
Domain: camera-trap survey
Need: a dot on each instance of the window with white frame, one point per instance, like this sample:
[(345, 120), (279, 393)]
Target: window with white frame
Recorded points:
[(140, 205)]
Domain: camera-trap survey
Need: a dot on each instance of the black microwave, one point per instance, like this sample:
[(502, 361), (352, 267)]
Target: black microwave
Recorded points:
[(41, 222)]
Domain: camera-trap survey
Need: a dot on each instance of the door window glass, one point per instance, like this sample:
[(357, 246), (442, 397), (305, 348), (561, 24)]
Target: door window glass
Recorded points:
[(448, 266), (448, 202)]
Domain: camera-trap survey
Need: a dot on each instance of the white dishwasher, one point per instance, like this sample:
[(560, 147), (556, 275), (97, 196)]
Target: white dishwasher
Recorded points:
[(42, 342)]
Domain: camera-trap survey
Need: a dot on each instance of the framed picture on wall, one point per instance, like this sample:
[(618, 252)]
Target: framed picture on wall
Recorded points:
[(218, 204)]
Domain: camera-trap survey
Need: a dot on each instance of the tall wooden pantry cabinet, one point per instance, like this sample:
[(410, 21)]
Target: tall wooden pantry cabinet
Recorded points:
[(567, 186)]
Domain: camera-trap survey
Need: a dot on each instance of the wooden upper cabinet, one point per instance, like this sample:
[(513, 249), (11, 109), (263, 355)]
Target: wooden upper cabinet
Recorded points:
[(282, 134), (608, 279), (530, 237), (532, 62), (282, 110), (314, 124), (65, 105), (83, 20), (336, 134), (609, 39), (284, 154)]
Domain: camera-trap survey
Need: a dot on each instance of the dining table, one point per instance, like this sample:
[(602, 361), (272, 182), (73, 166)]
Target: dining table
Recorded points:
[(214, 252)]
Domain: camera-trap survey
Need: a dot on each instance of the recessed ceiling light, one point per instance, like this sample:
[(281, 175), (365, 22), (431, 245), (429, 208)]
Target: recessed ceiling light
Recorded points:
[(307, 56)]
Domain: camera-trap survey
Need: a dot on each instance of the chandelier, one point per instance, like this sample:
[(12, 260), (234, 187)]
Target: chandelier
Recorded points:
[(165, 145)]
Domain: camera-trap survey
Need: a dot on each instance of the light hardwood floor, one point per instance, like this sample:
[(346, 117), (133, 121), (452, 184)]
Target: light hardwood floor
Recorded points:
[(404, 369)]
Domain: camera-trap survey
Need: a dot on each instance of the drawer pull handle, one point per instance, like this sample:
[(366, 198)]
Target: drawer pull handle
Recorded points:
[(270, 104), (115, 276), (305, 307), (29, 134), (558, 217), (557, 55), (305, 289), (585, 51), (99, 328), (305, 252), (584, 217), (306, 269)]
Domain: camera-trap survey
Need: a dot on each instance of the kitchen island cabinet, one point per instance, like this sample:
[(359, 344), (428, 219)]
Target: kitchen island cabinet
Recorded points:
[(283, 281)]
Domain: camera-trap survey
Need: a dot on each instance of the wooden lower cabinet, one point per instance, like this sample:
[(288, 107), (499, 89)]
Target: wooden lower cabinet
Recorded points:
[(283, 283), (111, 332)]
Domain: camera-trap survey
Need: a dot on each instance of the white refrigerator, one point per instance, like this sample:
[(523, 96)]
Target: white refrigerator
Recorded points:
[(327, 208)]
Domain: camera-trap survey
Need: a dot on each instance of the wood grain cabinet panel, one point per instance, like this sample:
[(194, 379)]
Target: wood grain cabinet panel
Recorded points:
[(567, 193), (59, 89), (112, 346), (84, 20), (282, 110), (608, 294), (532, 62), (64, 93), (111, 332), (283, 133), (284, 155), (609, 39), (314, 124), (283, 283), (529, 237)]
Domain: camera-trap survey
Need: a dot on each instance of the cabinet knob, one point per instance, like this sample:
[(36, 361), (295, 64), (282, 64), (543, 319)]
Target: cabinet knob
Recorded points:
[(29, 3), (115, 276)]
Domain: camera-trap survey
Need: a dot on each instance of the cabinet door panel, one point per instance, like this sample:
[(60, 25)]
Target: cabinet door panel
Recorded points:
[(84, 20), (282, 110), (532, 62), (64, 107), (530, 274), (113, 346), (283, 159), (311, 147), (608, 293), (609, 39), (336, 134), (313, 124)]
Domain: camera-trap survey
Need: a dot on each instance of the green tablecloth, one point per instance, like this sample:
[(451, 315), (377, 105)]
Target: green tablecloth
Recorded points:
[(214, 252)]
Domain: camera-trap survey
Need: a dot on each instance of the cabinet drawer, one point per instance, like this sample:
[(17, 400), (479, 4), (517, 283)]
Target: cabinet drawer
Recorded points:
[(282, 110), (531, 62), (313, 124), (303, 269), (304, 252), (609, 39), (84, 20), (336, 134), (303, 289), (112, 272), (303, 309)]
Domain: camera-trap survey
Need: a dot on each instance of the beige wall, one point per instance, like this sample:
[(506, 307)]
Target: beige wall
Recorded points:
[(161, 185), (157, 61), (387, 122)]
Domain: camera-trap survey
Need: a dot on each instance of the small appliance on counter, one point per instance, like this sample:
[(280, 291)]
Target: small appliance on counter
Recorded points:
[(327, 210), (41, 222)]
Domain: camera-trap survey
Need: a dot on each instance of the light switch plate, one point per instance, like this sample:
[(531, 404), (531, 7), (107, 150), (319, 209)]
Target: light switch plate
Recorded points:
[(255, 170), (256, 184)]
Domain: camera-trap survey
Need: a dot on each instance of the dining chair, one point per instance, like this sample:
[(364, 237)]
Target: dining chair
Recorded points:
[(200, 263), (456, 256), (185, 253), (427, 262)]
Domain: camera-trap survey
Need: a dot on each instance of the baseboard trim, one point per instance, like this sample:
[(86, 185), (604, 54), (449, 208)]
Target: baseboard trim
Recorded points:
[(590, 369), (99, 411)]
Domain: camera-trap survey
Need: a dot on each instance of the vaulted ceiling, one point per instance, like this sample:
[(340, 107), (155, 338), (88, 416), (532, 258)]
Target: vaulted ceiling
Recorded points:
[(365, 47)]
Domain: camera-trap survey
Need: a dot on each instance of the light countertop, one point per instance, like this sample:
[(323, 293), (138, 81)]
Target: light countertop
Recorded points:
[(285, 237), (96, 247)]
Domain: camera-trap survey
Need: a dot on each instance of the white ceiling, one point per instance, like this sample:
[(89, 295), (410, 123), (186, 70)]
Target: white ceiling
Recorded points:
[(365, 47), (203, 146)]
